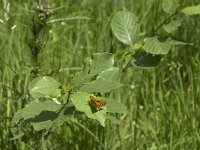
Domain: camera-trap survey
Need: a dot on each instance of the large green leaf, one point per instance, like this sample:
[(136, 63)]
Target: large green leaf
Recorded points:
[(113, 106), (41, 124), (47, 119), (40, 114), (145, 60), (168, 6), (172, 25), (100, 85), (45, 87), (97, 67), (34, 108), (110, 74), (154, 46), (64, 113), (81, 102), (193, 10), (106, 81), (43, 115), (100, 62), (125, 27)]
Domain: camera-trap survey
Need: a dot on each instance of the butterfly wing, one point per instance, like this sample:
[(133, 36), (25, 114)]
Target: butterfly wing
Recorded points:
[(97, 102)]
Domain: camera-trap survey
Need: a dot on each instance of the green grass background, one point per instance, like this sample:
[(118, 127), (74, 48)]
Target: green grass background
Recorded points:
[(163, 103)]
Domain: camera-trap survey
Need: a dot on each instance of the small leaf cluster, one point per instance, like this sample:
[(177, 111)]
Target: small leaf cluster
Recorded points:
[(146, 51), (54, 103)]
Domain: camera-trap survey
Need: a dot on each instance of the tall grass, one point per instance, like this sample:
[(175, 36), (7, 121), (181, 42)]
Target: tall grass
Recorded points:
[(163, 103)]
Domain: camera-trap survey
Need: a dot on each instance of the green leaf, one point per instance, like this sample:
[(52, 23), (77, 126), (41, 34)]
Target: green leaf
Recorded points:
[(100, 62), (178, 42), (144, 59), (45, 115), (18, 116), (39, 114), (125, 27), (48, 119), (68, 109), (100, 85), (154, 46), (38, 125), (113, 106), (168, 6), (112, 74), (44, 120), (45, 87), (92, 67), (106, 81), (34, 108), (172, 25), (193, 10), (81, 102)]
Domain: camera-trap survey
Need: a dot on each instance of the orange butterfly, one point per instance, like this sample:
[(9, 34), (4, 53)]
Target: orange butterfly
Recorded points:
[(97, 102)]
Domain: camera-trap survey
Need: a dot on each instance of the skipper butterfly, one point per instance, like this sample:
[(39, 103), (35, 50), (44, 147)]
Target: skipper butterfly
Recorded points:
[(97, 103)]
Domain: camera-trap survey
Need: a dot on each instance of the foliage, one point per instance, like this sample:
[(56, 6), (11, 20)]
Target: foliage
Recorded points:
[(43, 115), (139, 57), (193, 10), (126, 29)]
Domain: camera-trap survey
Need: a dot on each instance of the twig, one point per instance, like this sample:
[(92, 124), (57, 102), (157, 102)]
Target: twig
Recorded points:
[(165, 21)]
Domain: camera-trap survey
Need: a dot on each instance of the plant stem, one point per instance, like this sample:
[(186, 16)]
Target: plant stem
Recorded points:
[(154, 32), (166, 20)]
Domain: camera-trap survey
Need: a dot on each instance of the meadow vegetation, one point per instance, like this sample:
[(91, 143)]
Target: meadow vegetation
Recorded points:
[(162, 103)]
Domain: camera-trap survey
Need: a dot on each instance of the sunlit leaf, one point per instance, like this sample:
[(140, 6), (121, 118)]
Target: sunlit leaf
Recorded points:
[(41, 124), (100, 85), (172, 25), (193, 10), (40, 114), (112, 74), (125, 27), (81, 102), (92, 67), (100, 62), (98, 74), (168, 6), (106, 81), (34, 108), (45, 87), (154, 46), (114, 106)]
